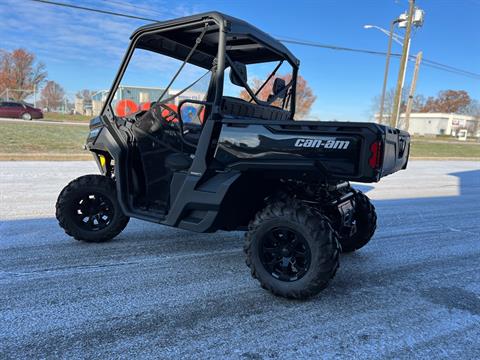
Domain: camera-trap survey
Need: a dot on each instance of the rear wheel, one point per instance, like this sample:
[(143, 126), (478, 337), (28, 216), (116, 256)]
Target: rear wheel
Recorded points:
[(87, 209), (292, 251), (365, 221), (26, 116)]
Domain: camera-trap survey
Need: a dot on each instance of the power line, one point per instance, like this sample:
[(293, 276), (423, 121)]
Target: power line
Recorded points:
[(452, 68), (132, 6), (426, 62), (94, 10), (447, 68), (334, 47)]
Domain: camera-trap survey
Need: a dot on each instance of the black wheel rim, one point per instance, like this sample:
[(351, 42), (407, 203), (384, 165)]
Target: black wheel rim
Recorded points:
[(93, 211), (285, 254)]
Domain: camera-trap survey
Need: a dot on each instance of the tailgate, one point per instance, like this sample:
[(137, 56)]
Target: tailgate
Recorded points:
[(396, 151)]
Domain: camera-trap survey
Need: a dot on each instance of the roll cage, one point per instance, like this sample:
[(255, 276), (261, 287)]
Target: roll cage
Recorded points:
[(226, 42)]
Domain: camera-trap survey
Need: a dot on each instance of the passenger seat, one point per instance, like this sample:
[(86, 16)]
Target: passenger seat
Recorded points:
[(237, 107)]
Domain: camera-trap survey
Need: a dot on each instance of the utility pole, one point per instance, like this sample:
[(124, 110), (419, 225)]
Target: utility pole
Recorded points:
[(403, 65), (34, 95), (412, 89), (387, 65)]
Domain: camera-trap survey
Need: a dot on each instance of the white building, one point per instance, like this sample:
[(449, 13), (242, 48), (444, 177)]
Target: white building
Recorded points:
[(432, 124), (83, 107), (141, 95), (441, 124)]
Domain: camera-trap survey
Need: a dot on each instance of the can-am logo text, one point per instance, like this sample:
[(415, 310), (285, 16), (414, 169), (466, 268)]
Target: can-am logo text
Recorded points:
[(320, 143)]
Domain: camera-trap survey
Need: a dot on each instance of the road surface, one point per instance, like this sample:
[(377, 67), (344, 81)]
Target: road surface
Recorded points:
[(157, 292)]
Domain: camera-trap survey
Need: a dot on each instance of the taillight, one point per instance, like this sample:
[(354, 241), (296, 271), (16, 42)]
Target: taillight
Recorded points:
[(375, 160)]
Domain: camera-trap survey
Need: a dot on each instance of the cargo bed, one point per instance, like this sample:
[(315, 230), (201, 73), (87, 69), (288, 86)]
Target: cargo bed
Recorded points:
[(362, 152)]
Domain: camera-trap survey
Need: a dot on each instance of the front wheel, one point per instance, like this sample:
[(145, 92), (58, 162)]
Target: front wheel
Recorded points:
[(292, 251), (88, 209), (27, 116), (365, 221)]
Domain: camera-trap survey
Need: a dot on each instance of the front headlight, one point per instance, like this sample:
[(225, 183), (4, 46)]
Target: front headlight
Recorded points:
[(96, 122), (92, 135)]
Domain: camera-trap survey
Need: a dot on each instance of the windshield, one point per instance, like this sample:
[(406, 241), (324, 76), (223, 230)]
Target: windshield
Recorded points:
[(148, 78)]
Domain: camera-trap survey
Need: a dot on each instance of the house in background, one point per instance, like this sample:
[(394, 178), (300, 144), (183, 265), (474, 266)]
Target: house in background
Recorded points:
[(98, 100), (83, 107)]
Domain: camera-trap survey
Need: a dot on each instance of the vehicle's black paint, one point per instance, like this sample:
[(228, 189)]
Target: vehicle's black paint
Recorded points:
[(248, 166), (235, 27), (252, 144), (243, 145), (232, 150)]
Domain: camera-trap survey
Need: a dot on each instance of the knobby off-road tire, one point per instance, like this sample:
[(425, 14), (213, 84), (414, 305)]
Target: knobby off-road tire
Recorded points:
[(88, 210), (366, 223), (316, 234)]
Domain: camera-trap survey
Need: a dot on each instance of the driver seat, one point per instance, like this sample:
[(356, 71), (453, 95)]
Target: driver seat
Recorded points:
[(192, 136), (178, 161)]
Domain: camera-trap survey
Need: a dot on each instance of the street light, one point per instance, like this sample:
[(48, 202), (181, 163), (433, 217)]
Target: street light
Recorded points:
[(397, 38), (387, 61), (414, 17)]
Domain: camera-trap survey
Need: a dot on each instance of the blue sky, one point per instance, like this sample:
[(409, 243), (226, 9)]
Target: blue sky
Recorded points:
[(84, 50)]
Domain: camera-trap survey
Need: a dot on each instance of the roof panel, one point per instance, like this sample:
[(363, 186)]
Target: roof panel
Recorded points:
[(234, 27)]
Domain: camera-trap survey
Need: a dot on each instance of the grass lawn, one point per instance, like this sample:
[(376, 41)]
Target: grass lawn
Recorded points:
[(445, 150), (20, 141), (31, 141), (66, 117)]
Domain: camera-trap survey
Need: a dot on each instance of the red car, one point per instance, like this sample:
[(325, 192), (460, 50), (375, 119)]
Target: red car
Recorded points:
[(10, 109)]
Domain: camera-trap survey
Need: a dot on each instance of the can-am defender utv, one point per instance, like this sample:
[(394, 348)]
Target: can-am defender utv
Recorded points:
[(203, 161)]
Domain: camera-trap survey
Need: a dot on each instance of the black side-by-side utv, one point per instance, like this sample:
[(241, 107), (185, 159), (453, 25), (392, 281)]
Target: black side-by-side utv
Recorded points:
[(243, 163)]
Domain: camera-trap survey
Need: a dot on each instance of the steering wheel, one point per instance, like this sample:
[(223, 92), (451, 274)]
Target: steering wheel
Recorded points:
[(167, 116)]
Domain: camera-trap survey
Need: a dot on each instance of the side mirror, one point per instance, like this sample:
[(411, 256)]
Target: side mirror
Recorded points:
[(278, 88), (241, 78)]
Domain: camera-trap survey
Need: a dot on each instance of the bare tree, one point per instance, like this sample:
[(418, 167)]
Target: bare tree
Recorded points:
[(473, 109), (20, 72), (304, 98), (52, 95), (85, 94), (418, 103), (388, 105)]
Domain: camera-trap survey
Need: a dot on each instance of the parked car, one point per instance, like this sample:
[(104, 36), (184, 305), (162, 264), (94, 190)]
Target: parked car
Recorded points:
[(11, 109)]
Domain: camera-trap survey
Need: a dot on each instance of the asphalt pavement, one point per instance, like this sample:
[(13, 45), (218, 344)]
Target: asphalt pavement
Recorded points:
[(158, 292)]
